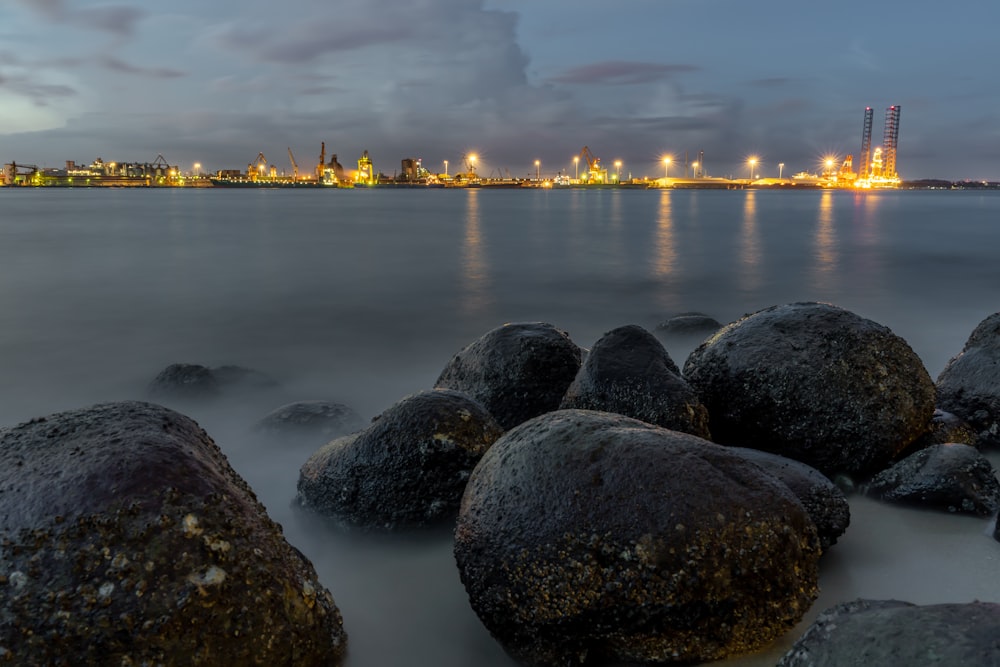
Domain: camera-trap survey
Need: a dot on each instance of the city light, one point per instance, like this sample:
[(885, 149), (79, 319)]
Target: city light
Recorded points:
[(538, 164), (576, 166), (752, 162), (666, 166)]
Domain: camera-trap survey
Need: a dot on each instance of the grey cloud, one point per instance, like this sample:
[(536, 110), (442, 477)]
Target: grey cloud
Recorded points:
[(620, 72), (117, 65), (116, 19), (41, 94)]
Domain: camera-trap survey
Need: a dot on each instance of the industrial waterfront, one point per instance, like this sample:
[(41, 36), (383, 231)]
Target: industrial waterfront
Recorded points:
[(876, 168)]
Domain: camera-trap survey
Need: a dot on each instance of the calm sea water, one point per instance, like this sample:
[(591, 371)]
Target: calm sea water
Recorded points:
[(363, 296)]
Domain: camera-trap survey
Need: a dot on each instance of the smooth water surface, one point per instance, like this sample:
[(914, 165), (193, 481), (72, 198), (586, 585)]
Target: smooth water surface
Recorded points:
[(363, 296)]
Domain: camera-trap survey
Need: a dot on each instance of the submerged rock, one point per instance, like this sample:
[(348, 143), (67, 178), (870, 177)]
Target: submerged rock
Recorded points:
[(952, 476), (822, 499), (815, 383), (588, 536), (314, 419), (630, 373), (890, 632), (517, 371), (969, 385), (408, 469), (197, 382), (688, 325), (126, 538)]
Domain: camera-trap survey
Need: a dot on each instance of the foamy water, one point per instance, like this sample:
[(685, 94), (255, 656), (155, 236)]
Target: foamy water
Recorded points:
[(362, 297)]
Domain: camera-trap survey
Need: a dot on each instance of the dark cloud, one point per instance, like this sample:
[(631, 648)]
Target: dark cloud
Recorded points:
[(116, 65), (310, 42), (41, 94), (620, 73), (116, 19)]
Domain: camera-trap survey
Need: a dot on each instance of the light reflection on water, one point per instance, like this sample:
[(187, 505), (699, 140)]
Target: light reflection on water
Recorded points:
[(363, 297)]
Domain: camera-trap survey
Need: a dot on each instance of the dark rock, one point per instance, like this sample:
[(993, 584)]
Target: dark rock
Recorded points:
[(126, 538), (314, 419), (408, 469), (688, 325), (591, 536), (196, 382), (952, 476), (517, 371), (630, 373), (815, 383), (822, 499), (889, 632), (945, 427), (969, 385), (185, 381)]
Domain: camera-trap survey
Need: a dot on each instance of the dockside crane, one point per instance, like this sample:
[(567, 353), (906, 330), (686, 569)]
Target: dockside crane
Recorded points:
[(257, 168), (295, 167), (595, 173)]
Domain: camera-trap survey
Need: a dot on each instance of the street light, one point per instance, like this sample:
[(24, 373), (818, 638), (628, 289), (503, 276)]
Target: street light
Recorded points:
[(781, 166), (618, 170), (694, 169), (445, 167), (538, 163), (753, 163), (472, 163), (666, 167), (576, 166), (197, 168)]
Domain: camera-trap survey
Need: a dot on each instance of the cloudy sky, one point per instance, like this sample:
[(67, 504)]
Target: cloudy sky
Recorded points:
[(217, 81)]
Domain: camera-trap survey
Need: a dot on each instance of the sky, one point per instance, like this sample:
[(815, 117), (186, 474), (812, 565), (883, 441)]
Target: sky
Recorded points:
[(513, 81)]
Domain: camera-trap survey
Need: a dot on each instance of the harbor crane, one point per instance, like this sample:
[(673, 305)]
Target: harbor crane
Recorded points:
[(295, 167), (257, 168), (595, 172)]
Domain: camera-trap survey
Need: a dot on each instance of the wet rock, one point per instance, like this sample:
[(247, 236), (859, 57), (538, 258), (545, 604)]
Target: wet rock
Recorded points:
[(630, 373), (815, 383), (126, 538), (591, 536), (517, 371), (408, 469), (890, 632), (969, 385), (945, 427), (822, 499), (320, 420), (197, 382), (952, 476), (688, 325)]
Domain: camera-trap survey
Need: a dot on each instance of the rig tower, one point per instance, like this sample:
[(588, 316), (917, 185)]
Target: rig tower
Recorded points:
[(890, 139), (866, 145)]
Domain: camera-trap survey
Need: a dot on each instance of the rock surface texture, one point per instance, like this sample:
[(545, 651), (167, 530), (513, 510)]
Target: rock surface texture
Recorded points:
[(815, 383), (628, 372), (864, 633), (825, 503), (969, 385), (952, 477), (408, 469), (588, 536), (517, 371), (127, 539)]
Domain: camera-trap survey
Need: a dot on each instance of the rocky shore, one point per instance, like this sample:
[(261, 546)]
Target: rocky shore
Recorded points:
[(609, 505)]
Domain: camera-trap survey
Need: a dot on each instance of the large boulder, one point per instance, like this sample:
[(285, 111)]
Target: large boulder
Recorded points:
[(969, 385), (823, 500), (517, 371), (591, 536), (127, 539), (688, 325), (953, 477), (408, 469), (630, 373), (862, 633), (815, 383)]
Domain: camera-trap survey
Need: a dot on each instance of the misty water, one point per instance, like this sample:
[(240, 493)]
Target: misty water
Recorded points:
[(362, 297)]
